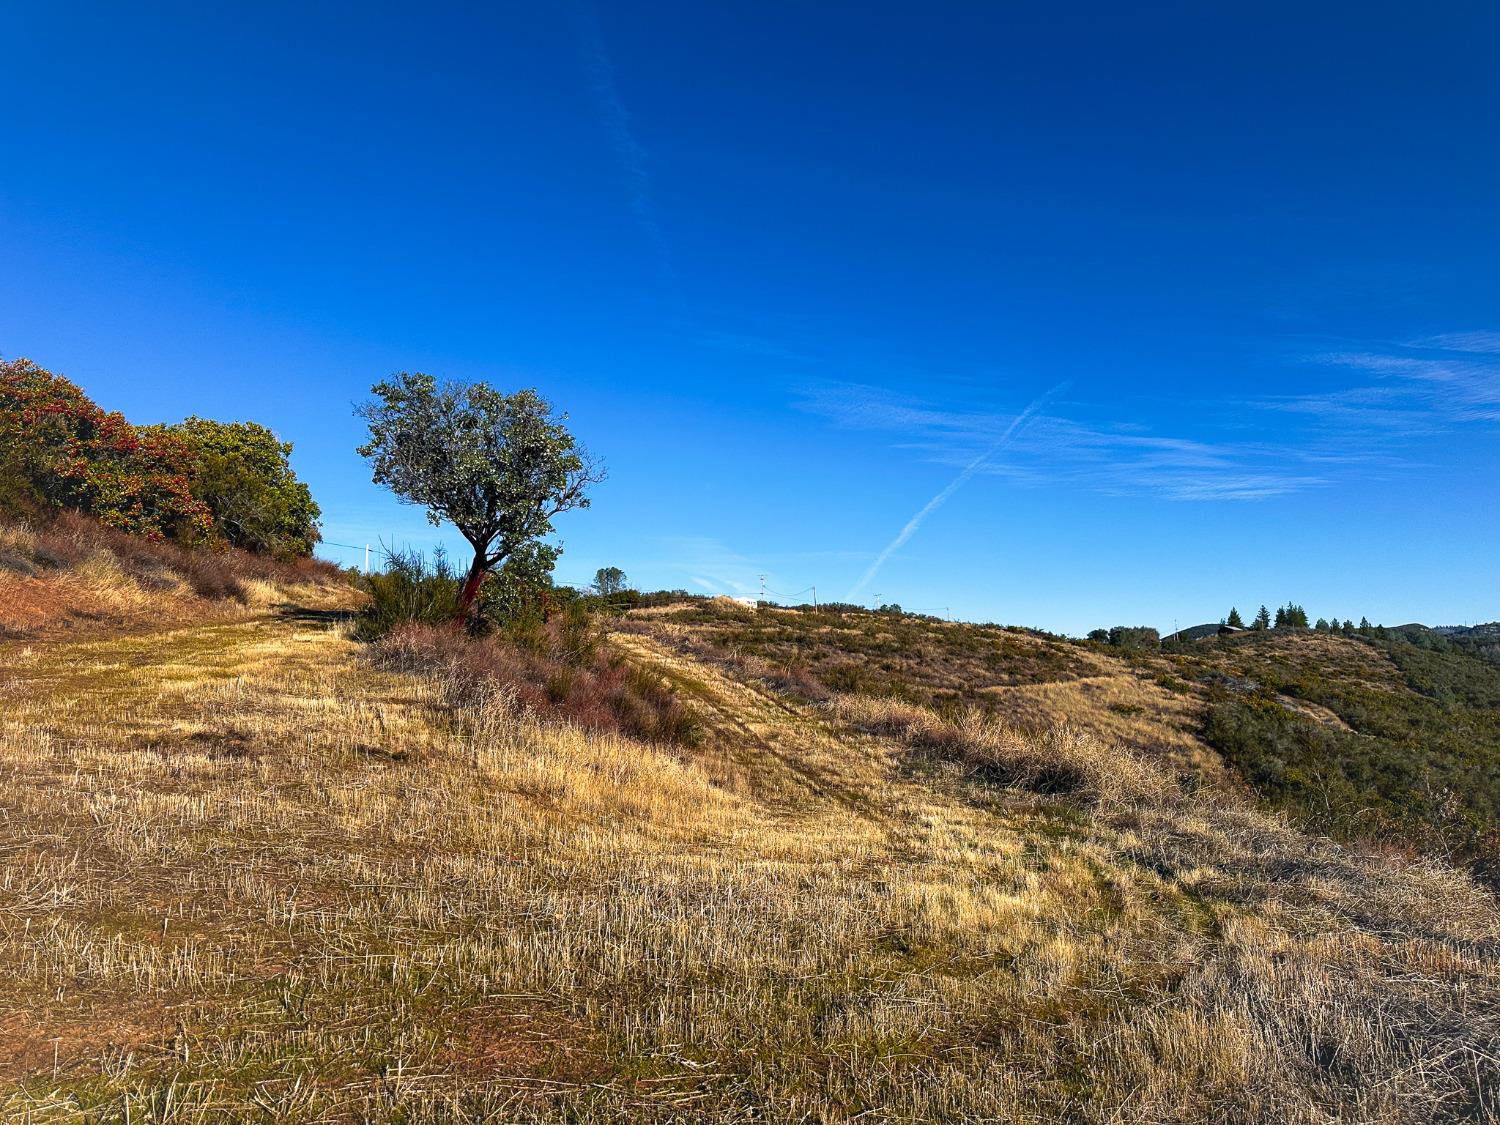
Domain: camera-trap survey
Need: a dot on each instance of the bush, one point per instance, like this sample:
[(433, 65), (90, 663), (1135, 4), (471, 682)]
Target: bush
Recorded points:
[(538, 646), (409, 591), (1134, 636), (517, 602), (60, 450), (564, 672), (1411, 767), (195, 482), (240, 472)]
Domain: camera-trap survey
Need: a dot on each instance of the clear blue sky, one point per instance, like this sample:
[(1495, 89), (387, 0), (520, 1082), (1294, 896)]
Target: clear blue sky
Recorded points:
[(796, 270)]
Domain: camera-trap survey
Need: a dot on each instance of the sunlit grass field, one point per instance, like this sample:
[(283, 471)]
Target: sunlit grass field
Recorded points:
[(249, 873)]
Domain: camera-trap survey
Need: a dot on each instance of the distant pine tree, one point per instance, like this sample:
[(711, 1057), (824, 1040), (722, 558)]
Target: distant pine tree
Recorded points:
[(1262, 619), (1281, 617), (1235, 620), (1348, 629), (1321, 626), (1296, 616), (1364, 625)]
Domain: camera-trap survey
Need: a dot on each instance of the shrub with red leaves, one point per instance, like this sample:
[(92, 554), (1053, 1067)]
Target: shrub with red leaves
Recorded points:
[(60, 450)]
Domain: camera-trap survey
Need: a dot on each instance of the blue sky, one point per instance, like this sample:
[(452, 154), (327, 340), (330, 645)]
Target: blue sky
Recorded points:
[(796, 271)]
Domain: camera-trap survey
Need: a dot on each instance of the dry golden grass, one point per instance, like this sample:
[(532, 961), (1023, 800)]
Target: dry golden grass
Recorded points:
[(1036, 682), (74, 576), (1118, 707), (246, 875)]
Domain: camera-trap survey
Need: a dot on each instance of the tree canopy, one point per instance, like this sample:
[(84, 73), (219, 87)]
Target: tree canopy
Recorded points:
[(609, 580), (497, 466), (241, 472)]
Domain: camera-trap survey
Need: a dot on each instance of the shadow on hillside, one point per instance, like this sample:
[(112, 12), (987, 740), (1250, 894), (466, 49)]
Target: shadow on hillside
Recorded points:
[(310, 616)]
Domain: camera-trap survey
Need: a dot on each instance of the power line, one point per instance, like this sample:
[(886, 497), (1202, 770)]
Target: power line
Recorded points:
[(351, 547)]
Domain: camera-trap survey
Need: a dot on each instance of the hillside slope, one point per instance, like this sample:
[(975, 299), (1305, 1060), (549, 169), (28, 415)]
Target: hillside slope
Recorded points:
[(74, 576), (1387, 736), (246, 868)]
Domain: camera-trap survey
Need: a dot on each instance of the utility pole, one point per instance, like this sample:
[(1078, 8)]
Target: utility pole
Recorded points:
[(367, 558), (762, 587), (815, 597)]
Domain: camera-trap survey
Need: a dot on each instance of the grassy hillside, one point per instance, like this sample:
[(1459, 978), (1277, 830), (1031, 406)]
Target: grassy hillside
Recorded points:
[(1368, 737), (1361, 737), (1035, 680), (250, 870)]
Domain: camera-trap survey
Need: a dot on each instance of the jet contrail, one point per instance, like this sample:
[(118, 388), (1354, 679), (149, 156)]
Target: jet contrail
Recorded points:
[(942, 497), (629, 152)]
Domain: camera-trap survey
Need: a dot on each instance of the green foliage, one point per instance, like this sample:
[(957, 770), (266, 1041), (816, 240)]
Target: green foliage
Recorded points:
[(1482, 642), (1134, 636), (409, 591), (1291, 616), (1420, 759), (521, 597), (1262, 620), (59, 450), (1298, 764), (541, 645), (497, 466), (240, 471), (1235, 620), (609, 581), (1453, 674), (198, 481)]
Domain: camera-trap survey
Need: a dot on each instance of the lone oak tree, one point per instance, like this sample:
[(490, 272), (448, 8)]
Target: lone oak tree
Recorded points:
[(497, 466)]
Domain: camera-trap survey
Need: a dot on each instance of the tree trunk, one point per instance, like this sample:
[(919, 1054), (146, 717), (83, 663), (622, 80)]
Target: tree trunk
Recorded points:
[(470, 592)]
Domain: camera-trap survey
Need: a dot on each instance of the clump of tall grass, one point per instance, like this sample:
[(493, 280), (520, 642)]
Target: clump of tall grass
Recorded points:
[(561, 675), (1059, 760), (410, 590)]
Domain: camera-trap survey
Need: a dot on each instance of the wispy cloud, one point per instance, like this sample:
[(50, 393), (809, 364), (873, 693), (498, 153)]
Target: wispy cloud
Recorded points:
[(1116, 458), (1419, 387), (711, 566), (1481, 341), (1393, 395), (912, 525), (631, 156)]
